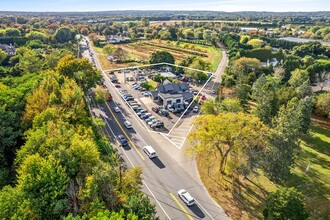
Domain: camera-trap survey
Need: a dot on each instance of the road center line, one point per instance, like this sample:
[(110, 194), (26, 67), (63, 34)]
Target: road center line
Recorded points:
[(124, 132), (179, 204)]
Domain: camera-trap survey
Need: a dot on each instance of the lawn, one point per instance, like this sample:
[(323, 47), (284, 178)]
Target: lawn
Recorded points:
[(245, 198), (142, 50)]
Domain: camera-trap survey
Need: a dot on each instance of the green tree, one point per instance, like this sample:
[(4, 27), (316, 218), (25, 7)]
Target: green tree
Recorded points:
[(64, 34), (264, 92), (10, 199), (285, 203), (288, 126), (298, 77), (101, 94), (322, 105), (36, 35), (108, 49), (243, 93), (255, 43), (3, 56), (43, 183), (234, 136), (161, 57), (144, 22), (139, 205), (12, 32), (30, 62)]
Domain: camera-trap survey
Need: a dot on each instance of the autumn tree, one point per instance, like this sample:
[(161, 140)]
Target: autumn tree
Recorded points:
[(235, 137), (245, 65), (120, 53), (79, 69)]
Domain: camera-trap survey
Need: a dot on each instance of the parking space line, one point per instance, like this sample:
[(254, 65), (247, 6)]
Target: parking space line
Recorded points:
[(124, 132), (182, 208)]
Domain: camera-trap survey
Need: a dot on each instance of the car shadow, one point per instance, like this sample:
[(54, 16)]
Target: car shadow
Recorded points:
[(126, 147), (197, 211), (158, 163)]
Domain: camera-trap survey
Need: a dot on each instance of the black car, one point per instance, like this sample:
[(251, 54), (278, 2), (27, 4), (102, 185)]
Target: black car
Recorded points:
[(122, 140)]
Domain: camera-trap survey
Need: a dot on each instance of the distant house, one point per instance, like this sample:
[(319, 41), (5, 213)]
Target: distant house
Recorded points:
[(114, 39), (8, 49), (271, 62), (248, 30), (172, 93)]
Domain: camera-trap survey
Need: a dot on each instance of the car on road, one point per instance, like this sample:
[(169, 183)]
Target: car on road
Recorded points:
[(122, 140), (150, 152), (195, 109), (213, 91), (128, 124), (116, 109), (117, 86), (186, 197)]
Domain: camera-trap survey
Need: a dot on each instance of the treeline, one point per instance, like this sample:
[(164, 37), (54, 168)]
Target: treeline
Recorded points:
[(54, 163)]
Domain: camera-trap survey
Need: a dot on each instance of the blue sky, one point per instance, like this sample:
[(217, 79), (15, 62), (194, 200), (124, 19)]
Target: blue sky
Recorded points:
[(220, 5)]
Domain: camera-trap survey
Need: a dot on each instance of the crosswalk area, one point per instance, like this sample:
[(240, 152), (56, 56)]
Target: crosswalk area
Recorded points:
[(179, 133)]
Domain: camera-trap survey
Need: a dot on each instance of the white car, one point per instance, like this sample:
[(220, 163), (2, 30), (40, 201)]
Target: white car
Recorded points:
[(195, 109), (128, 124), (116, 109), (213, 91), (186, 197)]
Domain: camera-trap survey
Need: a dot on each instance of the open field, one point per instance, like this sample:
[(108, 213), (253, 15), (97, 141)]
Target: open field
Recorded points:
[(172, 22), (244, 199), (142, 50)]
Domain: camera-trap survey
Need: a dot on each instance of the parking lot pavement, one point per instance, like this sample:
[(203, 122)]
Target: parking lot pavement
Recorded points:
[(179, 133)]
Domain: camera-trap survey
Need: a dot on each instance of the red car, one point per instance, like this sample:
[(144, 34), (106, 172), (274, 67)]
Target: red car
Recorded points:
[(117, 86)]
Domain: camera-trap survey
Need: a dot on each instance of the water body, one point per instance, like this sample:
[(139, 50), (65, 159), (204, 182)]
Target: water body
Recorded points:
[(302, 40)]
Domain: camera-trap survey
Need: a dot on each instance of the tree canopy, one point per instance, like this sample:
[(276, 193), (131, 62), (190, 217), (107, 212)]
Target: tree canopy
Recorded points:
[(161, 57)]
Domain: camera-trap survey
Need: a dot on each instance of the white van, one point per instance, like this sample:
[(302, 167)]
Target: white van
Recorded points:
[(150, 152)]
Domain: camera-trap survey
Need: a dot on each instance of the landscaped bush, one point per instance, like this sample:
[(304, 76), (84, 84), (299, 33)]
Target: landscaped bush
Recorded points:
[(147, 86)]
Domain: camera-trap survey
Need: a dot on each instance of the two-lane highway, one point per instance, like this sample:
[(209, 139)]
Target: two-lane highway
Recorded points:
[(162, 176)]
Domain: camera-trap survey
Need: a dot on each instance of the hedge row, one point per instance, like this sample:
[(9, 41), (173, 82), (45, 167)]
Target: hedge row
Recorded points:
[(177, 49)]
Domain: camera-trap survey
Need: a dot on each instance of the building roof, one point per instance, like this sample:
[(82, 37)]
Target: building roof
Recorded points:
[(187, 95), (154, 93), (168, 95), (8, 49), (173, 88)]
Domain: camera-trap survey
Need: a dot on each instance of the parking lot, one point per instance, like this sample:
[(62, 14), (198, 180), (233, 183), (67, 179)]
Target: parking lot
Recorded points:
[(151, 113)]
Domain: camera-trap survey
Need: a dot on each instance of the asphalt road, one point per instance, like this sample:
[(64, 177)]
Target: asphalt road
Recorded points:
[(162, 176)]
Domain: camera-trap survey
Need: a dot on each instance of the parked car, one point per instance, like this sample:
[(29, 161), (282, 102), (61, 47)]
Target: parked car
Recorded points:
[(128, 124), (117, 86), (122, 140), (129, 98), (186, 197), (213, 91), (164, 112), (195, 109), (155, 109), (116, 109), (170, 108)]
